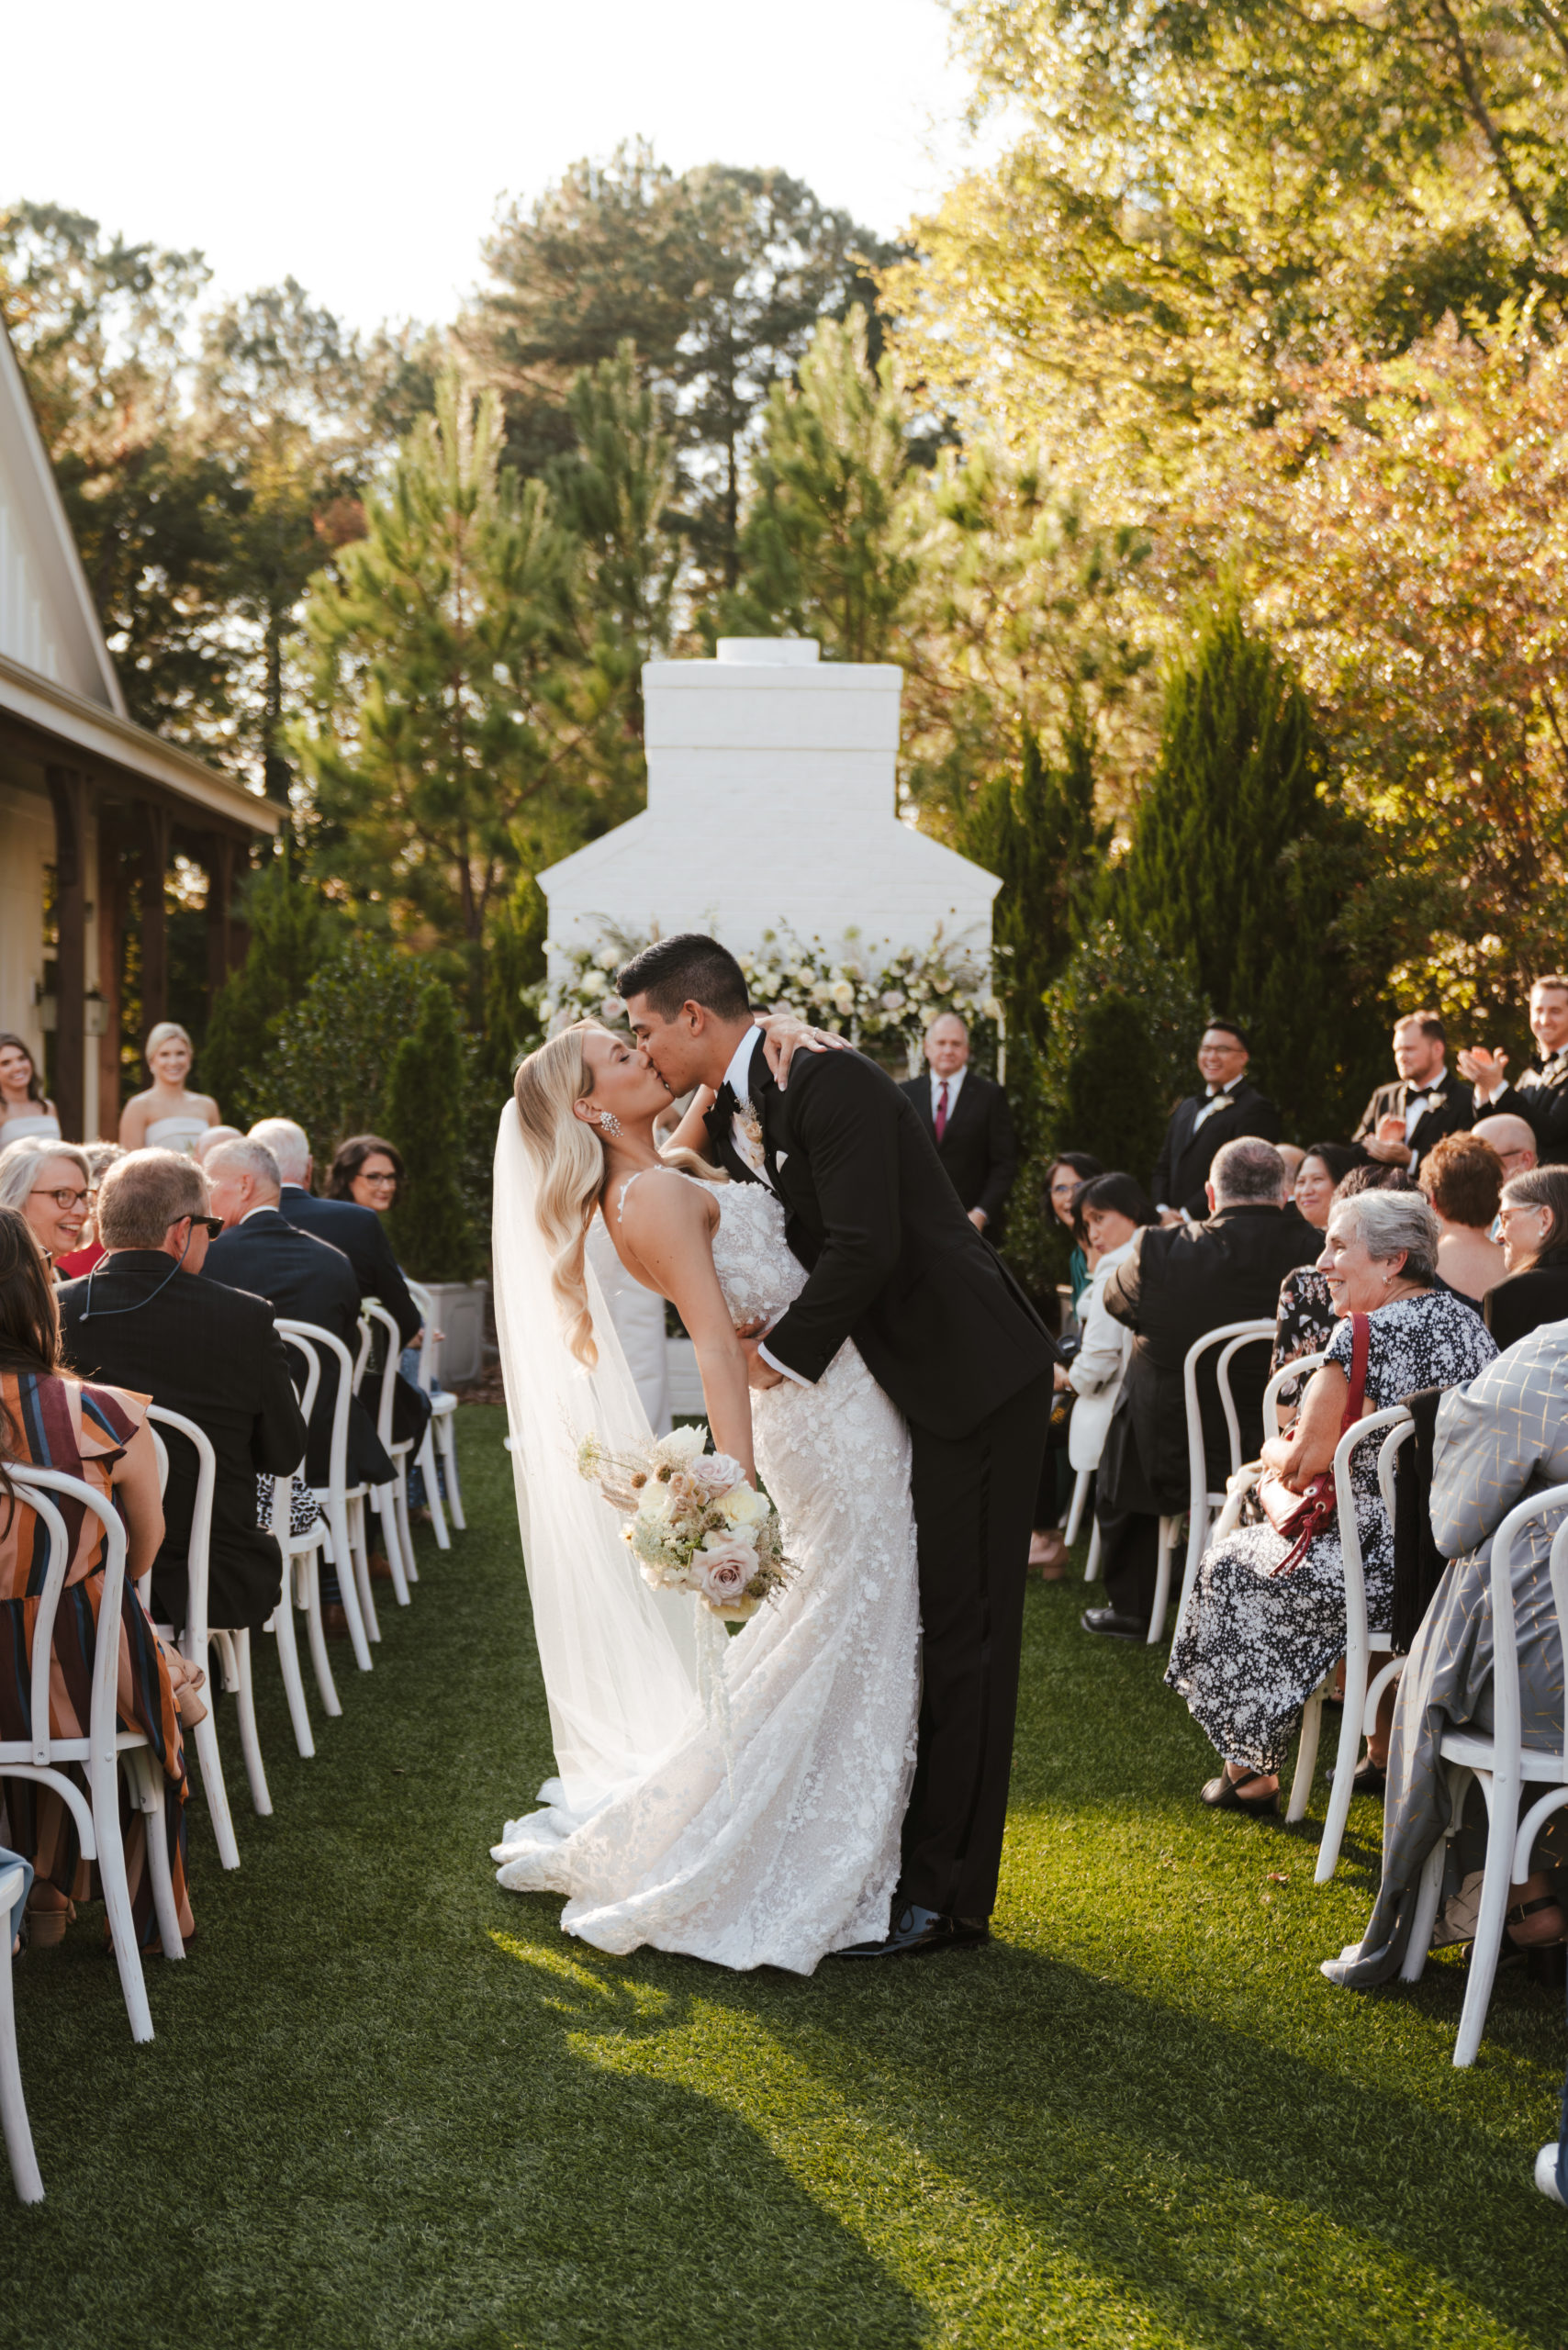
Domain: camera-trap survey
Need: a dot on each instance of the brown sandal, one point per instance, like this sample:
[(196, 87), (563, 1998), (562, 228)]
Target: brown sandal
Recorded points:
[(46, 1927)]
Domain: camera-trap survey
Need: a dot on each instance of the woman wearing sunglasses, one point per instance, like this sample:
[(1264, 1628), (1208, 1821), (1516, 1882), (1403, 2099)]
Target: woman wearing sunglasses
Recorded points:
[(49, 1184)]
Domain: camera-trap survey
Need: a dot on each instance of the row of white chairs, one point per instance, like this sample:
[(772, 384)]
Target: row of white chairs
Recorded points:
[(338, 1533), (1500, 1764)]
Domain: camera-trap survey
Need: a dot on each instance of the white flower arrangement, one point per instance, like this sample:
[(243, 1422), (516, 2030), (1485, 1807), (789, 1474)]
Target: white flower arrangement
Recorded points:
[(692, 1521), (871, 1000)]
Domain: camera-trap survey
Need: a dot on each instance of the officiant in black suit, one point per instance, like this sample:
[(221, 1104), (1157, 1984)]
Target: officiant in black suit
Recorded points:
[(306, 1280), (892, 1262), (1405, 1120), (141, 1319), (1230, 1106), (967, 1120)]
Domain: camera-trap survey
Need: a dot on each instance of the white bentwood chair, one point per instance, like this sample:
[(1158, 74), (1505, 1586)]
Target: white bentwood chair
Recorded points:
[(391, 1501), (107, 1749), (1503, 1767), (193, 1645), (1203, 1507), (440, 1434), (344, 1505), (26, 2177)]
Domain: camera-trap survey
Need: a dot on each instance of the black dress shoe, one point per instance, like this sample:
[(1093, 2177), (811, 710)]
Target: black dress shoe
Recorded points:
[(915, 1932), (1368, 1779), (1113, 1626)]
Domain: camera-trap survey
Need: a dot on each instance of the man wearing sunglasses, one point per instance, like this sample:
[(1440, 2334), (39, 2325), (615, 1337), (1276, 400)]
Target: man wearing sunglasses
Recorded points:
[(141, 1319)]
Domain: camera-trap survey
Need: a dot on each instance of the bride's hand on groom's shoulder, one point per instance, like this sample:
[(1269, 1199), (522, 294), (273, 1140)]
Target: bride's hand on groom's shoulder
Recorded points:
[(783, 1037)]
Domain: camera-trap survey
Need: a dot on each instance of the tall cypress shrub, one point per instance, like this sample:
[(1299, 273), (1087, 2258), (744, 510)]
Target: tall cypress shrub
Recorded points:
[(431, 1231), (1239, 859)]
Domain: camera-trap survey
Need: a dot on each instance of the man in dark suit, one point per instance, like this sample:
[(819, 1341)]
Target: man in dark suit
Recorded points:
[(1540, 1096), (1405, 1120), (893, 1262), (967, 1117), (1230, 1105), (1181, 1282), (358, 1232), (141, 1319), (307, 1279)]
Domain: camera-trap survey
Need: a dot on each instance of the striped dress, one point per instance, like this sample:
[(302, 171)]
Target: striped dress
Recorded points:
[(63, 1423)]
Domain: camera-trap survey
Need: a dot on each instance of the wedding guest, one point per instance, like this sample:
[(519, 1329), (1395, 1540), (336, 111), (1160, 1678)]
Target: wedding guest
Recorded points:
[(1290, 1155), (968, 1119), (1540, 1096), (1405, 1120), (1512, 1138), (50, 1184), (1111, 1211), (1303, 1316), (50, 1418), (358, 1231), (369, 1171), (100, 1158), (1175, 1284), (1498, 1437), (26, 1114), (1463, 1179), (1534, 1221), (1256, 1642), (1230, 1105), (1065, 1178), (167, 1115), (208, 1142), (145, 1321)]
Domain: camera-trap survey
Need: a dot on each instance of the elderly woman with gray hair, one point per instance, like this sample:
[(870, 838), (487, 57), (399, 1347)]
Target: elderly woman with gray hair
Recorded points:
[(49, 1184), (1264, 1627)]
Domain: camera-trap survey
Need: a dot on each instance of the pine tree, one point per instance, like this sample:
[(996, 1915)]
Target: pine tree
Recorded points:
[(424, 1115), (1237, 862), (1037, 830), (820, 551), (1122, 1020), (292, 930)]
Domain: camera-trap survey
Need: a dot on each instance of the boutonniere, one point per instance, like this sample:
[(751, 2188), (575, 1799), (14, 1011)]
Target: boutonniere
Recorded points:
[(1220, 1102), (751, 1126)]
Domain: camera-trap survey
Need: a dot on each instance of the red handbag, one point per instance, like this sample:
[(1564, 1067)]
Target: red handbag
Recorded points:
[(1301, 1517)]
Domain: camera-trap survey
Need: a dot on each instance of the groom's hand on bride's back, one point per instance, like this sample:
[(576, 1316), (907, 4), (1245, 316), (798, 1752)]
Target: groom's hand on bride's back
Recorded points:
[(783, 1037)]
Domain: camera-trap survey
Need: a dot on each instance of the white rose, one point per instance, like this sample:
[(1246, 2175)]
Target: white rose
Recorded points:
[(821, 991), (715, 1472), (893, 1000), (844, 996), (608, 957), (744, 1506), (681, 1444), (612, 1008)]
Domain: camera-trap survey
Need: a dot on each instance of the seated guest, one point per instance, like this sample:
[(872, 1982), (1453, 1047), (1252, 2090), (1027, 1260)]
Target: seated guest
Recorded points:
[(51, 1419), (1405, 1120), (100, 1158), (368, 1171), (141, 1319), (50, 1184), (1291, 1158), (966, 1115), (211, 1140), (1534, 1221), (1110, 1211), (1176, 1283), (1463, 1179), (1256, 1643), (357, 1231), (1065, 1178), (1305, 1319), (1513, 1141), (1499, 1437), (306, 1280), (1229, 1106)]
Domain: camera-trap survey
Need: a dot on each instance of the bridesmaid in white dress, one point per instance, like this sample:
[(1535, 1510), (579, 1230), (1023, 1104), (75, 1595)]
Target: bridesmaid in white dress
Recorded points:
[(25, 1113), (167, 1117)]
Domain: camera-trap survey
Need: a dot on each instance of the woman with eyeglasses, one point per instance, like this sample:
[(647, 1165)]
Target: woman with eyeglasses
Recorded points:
[(1065, 1178), (367, 1170), (50, 1184), (25, 1111), (1532, 1224)]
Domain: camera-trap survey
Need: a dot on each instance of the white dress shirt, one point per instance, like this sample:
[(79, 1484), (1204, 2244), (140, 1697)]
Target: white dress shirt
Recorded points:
[(952, 1084)]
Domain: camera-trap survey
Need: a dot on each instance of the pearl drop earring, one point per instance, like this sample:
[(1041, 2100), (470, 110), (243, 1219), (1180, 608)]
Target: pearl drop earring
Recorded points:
[(610, 1122)]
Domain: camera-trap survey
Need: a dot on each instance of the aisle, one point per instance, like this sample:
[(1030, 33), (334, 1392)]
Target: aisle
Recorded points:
[(388, 2105)]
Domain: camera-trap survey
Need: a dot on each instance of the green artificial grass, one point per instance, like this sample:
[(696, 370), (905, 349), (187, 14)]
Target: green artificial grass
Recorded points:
[(389, 2104)]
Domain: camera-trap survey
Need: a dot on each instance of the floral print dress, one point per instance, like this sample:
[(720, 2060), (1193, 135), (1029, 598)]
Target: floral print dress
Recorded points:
[(1255, 1644)]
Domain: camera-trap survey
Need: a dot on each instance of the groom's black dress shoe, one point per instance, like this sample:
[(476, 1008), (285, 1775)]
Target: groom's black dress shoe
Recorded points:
[(915, 1932), (1113, 1626)]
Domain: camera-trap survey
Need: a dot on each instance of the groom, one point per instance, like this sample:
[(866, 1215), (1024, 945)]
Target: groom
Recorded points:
[(893, 1263)]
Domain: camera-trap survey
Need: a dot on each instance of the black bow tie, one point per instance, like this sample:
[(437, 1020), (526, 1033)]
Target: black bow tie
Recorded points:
[(727, 1102)]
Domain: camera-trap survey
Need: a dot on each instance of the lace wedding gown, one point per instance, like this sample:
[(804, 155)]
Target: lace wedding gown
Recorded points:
[(772, 1839)]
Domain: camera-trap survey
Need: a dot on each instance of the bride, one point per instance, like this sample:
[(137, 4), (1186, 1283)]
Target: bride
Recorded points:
[(736, 1798)]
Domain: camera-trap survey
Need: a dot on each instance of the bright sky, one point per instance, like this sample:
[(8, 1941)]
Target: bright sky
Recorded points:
[(362, 147)]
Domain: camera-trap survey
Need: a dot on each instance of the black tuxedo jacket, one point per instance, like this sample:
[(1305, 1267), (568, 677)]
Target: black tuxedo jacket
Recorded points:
[(212, 1354), (894, 1263), (361, 1236), (1451, 1111), (1188, 1151), (978, 1146), (1179, 1281), (307, 1279), (1541, 1098)]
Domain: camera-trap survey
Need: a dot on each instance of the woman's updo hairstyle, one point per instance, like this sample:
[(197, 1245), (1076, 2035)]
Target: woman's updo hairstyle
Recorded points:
[(569, 1160)]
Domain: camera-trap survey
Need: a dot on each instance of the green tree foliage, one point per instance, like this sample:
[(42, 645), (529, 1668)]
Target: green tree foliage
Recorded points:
[(423, 1115), (328, 1064), (1036, 829), (717, 277), (292, 931), (1237, 867), (514, 966), (1123, 1023), (819, 553)]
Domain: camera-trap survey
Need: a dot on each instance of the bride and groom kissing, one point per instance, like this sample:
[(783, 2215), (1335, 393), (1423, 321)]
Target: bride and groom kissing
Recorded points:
[(833, 1778)]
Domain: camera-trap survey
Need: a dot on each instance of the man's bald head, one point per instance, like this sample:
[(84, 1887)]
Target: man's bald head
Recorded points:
[(1512, 1138)]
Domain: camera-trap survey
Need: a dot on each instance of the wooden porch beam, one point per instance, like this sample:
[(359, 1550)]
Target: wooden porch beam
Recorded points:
[(155, 829), (68, 797)]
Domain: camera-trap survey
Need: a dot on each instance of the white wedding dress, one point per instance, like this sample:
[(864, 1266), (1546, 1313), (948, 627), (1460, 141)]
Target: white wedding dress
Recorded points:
[(766, 1834)]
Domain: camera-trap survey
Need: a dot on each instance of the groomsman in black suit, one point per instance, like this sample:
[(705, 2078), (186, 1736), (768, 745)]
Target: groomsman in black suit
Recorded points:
[(1228, 1107), (358, 1232), (1540, 1096), (141, 1319), (966, 1118), (1405, 1120)]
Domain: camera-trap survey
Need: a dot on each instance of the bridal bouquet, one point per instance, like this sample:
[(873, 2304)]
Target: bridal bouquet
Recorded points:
[(691, 1520)]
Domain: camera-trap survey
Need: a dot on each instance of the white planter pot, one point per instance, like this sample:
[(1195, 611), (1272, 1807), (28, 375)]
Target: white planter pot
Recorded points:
[(460, 1315)]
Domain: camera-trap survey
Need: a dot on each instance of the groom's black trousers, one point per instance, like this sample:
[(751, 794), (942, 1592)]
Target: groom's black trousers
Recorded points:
[(974, 1506)]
